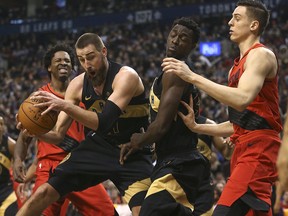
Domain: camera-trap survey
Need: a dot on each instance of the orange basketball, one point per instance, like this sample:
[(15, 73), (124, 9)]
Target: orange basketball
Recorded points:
[(32, 120)]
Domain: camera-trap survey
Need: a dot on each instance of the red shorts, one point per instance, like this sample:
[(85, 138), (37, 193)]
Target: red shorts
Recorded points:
[(90, 202), (253, 165)]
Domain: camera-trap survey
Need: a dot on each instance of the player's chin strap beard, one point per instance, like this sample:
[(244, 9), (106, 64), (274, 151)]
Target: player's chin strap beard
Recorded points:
[(99, 79)]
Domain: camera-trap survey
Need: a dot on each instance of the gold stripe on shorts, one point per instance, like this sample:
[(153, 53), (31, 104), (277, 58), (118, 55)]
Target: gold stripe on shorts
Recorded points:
[(169, 183), (135, 188)]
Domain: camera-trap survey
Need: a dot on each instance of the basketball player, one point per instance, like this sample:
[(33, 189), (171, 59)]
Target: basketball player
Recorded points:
[(59, 62), (8, 200), (254, 126), (114, 97), (181, 175)]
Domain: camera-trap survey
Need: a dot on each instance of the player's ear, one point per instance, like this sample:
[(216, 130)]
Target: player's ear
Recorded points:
[(104, 51), (254, 25)]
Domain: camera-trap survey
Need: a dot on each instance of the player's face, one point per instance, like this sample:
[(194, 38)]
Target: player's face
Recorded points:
[(179, 42), (239, 25), (93, 63), (61, 66)]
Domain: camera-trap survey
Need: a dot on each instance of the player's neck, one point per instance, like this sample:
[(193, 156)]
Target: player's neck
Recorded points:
[(99, 89), (59, 87), (247, 44)]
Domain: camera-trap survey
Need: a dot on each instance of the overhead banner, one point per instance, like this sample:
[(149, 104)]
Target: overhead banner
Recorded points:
[(137, 17)]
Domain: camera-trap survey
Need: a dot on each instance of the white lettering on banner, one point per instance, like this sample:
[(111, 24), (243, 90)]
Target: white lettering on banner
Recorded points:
[(209, 9), (216, 8), (47, 26), (143, 16), (67, 24), (24, 29)]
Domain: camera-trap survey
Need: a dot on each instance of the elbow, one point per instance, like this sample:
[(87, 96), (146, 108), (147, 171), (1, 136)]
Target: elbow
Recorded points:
[(58, 139), (242, 104)]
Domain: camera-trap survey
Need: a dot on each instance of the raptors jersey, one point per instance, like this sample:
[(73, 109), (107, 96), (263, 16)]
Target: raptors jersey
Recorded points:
[(179, 138), (74, 135), (5, 164), (263, 112), (132, 118)]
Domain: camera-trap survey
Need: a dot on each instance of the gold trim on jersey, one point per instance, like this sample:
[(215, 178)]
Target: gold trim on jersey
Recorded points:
[(131, 111), (7, 202), (97, 106), (204, 149), (154, 101), (66, 158), (5, 161), (169, 183), (209, 212), (135, 188)]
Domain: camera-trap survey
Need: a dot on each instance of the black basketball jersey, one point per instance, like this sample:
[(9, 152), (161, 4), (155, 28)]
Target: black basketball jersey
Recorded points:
[(132, 118), (179, 138), (5, 163), (204, 141)]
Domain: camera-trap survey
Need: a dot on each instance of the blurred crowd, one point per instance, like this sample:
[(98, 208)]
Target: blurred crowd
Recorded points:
[(143, 48), (47, 9)]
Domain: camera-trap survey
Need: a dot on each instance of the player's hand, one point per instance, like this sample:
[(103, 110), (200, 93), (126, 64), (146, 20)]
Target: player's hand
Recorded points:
[(178, 67), (229, 148), (282, 165), (229, 143), (189, 118), (131, 147), (19, 172), (49, 100), (21, 192), (125, 150), (19, 126)]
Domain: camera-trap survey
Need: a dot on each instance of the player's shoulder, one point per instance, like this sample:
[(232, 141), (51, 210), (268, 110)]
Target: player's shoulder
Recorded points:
[(78, 80), (127, 73), (262, 52)]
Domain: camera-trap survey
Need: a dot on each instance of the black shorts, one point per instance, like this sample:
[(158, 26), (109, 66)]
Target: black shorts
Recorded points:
[(180, 185), (95, 161)]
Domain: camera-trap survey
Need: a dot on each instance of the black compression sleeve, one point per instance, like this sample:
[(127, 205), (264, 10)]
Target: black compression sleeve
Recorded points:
[(108, 117)]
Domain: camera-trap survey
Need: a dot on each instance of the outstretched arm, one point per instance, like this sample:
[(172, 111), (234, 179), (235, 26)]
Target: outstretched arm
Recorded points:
[(224, 146), (250, 83), (224, 129)]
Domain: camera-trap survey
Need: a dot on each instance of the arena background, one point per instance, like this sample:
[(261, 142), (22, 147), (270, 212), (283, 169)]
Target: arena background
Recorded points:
[(135, 33)]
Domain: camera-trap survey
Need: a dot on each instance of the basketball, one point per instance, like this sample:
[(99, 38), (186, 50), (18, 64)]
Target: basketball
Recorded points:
[(32, 120)]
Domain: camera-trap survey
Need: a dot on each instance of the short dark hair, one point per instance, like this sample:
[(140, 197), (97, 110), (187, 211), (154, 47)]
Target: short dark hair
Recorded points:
[(190, 24), (58, 47), (256, 10), (89, 38)]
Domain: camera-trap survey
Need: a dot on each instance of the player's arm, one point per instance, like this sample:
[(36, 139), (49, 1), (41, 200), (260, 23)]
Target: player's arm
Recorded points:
[(30, 174), (126, 85), (11, 145), (224, 129), (57, 134), (171, 94), (20, 152), (261, 63), (221, 144)]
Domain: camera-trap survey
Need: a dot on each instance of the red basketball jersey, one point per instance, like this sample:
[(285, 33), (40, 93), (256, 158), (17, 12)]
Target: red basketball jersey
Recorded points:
[(266, 103), (74, 135)]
